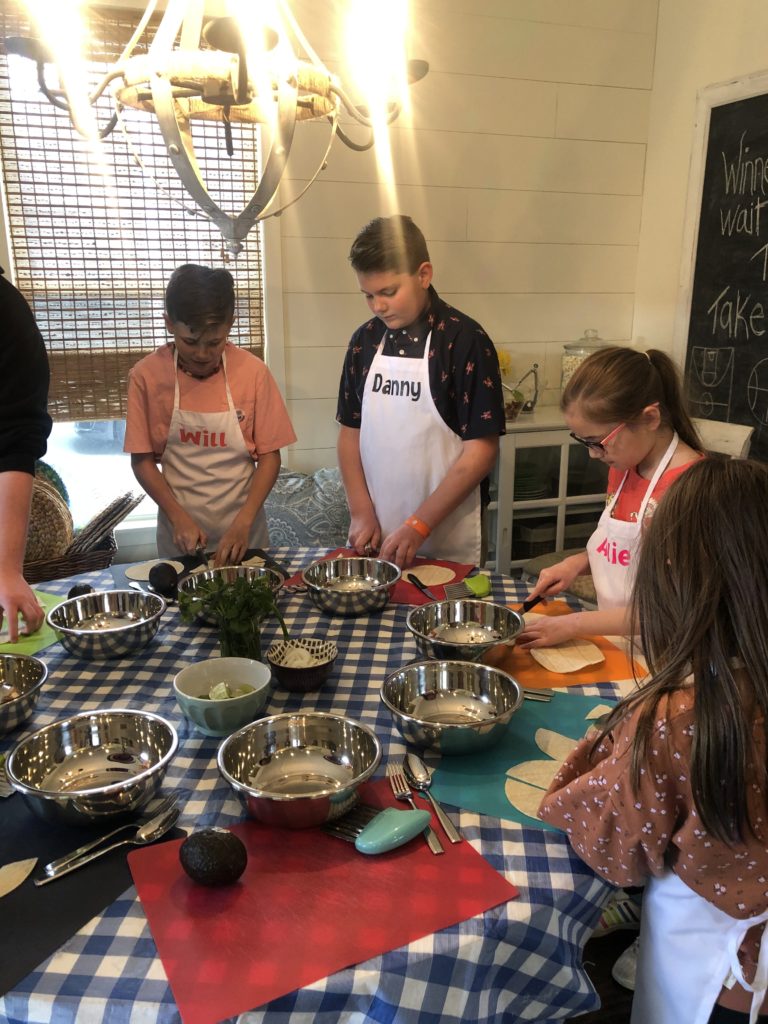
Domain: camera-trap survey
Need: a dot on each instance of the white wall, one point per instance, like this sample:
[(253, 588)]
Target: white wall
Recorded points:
[(523, 161), (700, 42)]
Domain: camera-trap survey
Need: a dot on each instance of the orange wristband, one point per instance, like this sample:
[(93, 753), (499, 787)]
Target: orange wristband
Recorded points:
[(418, 525)]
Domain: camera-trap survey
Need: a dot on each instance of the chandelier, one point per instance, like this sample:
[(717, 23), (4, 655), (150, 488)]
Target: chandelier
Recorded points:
[(243, 67)]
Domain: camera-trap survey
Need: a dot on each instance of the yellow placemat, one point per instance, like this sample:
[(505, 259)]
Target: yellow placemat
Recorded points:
[(38, 641)]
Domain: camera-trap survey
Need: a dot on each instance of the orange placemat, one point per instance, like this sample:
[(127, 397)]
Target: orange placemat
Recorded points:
[(403, 591), (307, 905), (529, 673)]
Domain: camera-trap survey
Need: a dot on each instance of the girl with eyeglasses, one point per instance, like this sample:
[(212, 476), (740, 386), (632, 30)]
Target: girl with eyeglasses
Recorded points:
[(628, 409), (673, 789)]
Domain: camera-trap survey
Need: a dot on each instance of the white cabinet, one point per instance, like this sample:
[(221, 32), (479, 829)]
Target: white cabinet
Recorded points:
[(547, 492)]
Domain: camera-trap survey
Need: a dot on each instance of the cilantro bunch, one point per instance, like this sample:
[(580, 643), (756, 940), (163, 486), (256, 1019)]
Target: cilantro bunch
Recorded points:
[(238, 607)]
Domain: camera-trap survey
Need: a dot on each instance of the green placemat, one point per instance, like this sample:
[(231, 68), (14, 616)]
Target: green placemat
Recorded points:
[(509, 780), (43, 638)]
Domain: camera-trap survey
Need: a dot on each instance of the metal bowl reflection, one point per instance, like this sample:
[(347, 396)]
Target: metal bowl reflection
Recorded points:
[(350, 586), (107, 624), (299, 770), (21, 679), (455, 707), (462, 630), (94, 766)]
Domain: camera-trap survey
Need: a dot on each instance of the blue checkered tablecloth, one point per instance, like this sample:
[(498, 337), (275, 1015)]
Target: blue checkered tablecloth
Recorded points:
[(518, 962)]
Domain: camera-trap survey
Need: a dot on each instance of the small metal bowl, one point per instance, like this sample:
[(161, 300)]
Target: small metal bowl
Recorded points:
[(455, 707), (228, 573), (350, 586), (299, 770), (94, 766), (21, 679), (305, 678), (107, 624), (462, 630)]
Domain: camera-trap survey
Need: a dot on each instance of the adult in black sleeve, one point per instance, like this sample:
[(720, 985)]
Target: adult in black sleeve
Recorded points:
[(24, 429)]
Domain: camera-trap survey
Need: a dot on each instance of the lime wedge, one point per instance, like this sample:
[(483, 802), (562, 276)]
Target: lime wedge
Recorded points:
[(219, 692)]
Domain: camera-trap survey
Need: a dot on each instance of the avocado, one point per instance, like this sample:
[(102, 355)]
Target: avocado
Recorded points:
[(213, 856), (79, 590), (164, 580)]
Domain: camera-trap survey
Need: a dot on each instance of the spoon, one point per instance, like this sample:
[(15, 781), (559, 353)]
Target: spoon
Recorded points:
[(153, 830), (419, 777), (135, 585)]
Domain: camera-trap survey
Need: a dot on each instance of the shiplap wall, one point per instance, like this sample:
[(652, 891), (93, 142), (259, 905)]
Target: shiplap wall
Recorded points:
[(522, 160)]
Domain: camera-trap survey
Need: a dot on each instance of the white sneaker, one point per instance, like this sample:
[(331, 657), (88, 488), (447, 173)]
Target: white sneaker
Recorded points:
[(625, 968)]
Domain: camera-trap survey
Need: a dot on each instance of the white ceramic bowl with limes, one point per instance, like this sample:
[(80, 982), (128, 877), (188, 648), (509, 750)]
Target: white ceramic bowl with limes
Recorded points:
[(221, 695)]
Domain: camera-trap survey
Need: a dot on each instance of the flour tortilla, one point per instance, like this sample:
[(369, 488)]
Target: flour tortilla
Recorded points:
[(569, 656), (555, 744), (534, 773), (140, 571), (524, 797), (433, 575)]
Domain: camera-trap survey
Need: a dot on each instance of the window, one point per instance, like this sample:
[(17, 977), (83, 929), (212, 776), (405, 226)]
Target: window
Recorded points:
[(94, 240)]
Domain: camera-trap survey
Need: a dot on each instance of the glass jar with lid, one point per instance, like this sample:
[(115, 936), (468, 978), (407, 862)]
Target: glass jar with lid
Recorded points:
[(575, 352)]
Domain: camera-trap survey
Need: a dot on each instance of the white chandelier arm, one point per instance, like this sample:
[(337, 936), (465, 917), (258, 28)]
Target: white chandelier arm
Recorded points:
[(333, 118)]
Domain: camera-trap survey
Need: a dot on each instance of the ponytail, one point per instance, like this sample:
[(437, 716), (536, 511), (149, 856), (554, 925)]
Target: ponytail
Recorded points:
[(616, 383)]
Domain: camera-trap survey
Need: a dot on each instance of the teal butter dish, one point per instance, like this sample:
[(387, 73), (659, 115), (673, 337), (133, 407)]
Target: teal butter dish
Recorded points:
[(390, 829)]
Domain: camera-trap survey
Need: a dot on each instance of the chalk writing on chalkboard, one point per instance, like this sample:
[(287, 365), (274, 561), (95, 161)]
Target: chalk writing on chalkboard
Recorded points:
[(726, 365)]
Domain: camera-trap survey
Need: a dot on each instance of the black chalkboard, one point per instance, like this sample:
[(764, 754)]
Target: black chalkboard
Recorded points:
[(726, 365)]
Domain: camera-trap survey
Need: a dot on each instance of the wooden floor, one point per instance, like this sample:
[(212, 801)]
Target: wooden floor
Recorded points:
[(599, 957)]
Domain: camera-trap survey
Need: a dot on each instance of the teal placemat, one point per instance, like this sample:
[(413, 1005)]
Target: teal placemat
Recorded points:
[(38, 641), (509, 780)]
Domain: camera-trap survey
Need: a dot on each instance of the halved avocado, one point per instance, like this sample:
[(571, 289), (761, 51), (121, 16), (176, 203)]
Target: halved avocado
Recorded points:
[(213, 856)]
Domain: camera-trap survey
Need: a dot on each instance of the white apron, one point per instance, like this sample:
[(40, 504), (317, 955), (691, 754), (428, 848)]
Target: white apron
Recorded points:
[(407, 448), (209, 469), (612, 548), (688, 948)]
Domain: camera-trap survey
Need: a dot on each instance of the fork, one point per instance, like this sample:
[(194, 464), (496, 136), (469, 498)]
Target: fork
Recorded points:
[(402, 791)]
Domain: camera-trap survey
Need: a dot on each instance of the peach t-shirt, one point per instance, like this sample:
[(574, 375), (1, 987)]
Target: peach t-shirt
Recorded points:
[(260, 409)]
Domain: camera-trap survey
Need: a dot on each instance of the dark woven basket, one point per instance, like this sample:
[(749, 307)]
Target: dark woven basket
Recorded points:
[(99, 557)]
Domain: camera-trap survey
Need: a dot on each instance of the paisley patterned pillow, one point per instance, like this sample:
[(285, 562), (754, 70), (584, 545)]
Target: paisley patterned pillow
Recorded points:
[(305, 510)]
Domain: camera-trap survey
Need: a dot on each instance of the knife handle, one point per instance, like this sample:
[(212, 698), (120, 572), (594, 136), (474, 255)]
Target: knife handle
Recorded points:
[(414, 579), (448, 827)]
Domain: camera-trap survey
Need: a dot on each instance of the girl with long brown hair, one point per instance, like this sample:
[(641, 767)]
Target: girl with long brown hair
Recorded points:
[(627, 407), (673, 792)]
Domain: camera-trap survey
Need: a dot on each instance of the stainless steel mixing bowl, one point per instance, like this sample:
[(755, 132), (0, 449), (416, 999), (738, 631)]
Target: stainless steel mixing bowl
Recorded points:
[(107, 624), (299, 770), (94, 766), (455, 707), (463, 630), (21, 679), (350, 586)]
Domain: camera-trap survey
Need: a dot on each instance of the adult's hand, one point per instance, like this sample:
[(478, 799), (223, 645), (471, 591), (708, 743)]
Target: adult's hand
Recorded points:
[(17, 598)]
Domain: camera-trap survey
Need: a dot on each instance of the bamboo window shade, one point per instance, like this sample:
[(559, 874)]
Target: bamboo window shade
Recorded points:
[(94, 239)]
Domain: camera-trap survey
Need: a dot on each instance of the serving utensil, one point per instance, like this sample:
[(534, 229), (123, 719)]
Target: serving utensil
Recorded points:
[(164, 805), (402, 791), (414, 579), (154, 829), (373, 830), (471, 586), (417, 773)]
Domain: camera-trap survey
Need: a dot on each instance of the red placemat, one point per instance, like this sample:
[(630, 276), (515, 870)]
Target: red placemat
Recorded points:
[(403, 591), (307, 905)]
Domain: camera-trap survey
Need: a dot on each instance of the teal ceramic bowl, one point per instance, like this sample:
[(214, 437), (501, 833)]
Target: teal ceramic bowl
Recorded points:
[(192, 685)]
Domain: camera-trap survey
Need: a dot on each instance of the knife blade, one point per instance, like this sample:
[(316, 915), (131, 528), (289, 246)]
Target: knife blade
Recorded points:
[(414, 579)]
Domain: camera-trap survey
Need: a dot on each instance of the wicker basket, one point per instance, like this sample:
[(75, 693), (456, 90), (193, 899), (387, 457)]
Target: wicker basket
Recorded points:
[(50, 523), (71, 564)]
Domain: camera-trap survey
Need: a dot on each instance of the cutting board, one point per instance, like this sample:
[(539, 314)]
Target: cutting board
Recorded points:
[(307, 905), (403, 592), (38, 641), (616, 667)]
